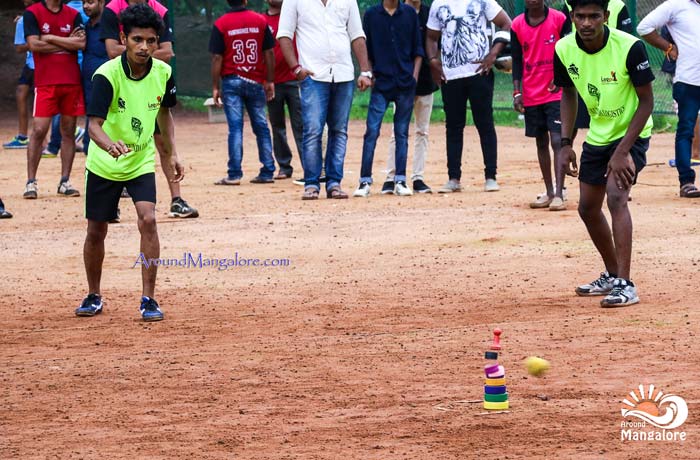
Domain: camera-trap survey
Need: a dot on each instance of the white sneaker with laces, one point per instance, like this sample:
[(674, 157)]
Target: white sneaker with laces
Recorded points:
[(66, 189), (31, 190), (602, 286), (491, 185), (401, 189), (623, 293), (363, 190)]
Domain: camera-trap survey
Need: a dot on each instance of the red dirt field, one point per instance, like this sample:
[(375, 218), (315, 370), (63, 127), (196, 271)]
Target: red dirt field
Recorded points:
[(370, 345)]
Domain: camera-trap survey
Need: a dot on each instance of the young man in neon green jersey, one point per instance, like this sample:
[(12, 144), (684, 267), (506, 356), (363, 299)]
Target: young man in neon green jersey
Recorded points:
[(130, 93), (610, 70)]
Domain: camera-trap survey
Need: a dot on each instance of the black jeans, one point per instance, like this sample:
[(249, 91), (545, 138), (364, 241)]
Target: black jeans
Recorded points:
[(478, 90), (285, 93)]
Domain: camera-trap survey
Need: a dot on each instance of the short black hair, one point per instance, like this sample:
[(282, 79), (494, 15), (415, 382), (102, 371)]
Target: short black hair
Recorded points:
[(576, 3), (234, 3), (141, 16)]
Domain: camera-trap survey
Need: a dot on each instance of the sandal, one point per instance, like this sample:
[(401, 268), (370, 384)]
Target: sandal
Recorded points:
[(335, 193), (227, 181), (310, 193), (689, 191)]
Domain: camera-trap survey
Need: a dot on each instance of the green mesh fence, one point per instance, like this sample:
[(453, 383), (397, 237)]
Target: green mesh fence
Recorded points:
[(193, 21)]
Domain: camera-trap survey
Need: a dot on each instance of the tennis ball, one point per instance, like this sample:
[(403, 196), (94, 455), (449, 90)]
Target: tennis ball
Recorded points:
[(536, 366)]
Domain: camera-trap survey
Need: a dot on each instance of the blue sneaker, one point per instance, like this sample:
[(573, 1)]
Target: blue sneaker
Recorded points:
[(17, 143), (91, 306), (150, 311)]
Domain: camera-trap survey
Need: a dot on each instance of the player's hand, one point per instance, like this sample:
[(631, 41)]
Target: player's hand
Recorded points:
[(567, 161), (117, 149), (303, 73), (552, 88), (621, 167), (673, 54), (518, 104), (485, 65), (436, 72), (77, 32), (364, 82), (269, 90), (216, 96), (178, 170)]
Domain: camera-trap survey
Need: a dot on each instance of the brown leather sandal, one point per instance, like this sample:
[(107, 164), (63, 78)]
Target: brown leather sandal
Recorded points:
[(310, 193), (335, 193)]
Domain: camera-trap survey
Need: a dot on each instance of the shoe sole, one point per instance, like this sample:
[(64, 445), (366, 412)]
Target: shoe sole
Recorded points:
[(49, 156), (615, 305), (69, 195), (181, 215), (29, 197), (360, 196), (591, 294), (152, 320), (88, 314), (15, 148), (422, 191)]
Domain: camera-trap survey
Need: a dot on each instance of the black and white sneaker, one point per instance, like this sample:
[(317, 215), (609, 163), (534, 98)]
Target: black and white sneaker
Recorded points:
[(363, 190), (388, 187), (623, 293), (602, 286), (421, 187)]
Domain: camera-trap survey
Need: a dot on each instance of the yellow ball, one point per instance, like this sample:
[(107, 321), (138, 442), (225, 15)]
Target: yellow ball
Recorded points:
[(536, 366)]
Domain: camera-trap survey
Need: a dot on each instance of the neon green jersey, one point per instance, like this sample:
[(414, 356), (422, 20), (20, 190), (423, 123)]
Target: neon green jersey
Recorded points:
[(130, 108), (606, 81)]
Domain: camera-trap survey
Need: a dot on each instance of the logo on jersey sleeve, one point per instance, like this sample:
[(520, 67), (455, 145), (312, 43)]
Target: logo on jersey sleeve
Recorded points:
[(122, 105)]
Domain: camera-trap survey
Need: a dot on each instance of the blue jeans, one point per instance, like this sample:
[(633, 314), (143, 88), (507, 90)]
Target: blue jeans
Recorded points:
[(688, 99), (236, 93), (322, 104), (55, 139), (378, 103)]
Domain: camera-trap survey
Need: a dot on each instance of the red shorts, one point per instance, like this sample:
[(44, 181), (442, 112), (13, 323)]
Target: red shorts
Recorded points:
[(59, 99)]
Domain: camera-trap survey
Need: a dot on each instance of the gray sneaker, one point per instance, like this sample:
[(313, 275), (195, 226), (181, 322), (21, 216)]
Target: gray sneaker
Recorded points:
[(451, 186), (623, 293), (602, 286)]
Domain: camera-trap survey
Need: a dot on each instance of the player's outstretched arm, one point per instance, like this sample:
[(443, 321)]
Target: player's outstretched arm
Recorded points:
[(100, 137)]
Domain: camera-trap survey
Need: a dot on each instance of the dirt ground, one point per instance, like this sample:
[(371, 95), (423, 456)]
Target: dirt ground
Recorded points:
[(369, 346)]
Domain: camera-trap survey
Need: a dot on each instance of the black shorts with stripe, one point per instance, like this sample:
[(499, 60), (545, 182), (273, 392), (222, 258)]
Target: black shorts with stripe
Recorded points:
[(102, 195)]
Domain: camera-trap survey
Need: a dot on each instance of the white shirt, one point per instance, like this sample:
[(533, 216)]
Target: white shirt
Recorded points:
[(682, 17), (464, 41), (323, 36)]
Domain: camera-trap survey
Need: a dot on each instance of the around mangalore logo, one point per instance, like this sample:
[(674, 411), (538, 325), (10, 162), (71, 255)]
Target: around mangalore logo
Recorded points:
[(654, 409)]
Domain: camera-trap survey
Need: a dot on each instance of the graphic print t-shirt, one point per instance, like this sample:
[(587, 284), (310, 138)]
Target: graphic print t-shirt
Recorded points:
[(463, 25)]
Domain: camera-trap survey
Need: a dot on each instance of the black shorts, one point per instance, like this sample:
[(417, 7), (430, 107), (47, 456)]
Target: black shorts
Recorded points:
[(542, 118), (595, 158), (102, 195), (26, 77)]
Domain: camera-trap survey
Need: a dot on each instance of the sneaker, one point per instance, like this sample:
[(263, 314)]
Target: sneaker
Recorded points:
[(91, 306), (46, 153), (421, 187), (117, 219), (79, 134), (150, 311), (31, 190), (557, 204), (4, 214), (299, 181), (180, 208), (388, 187), (363, 190), (491, 185), (262, 180), (17, 143), (451, 186), (402, 189), (66, 189), (542, 201), (564, 193), (623, 293), (602, 286)]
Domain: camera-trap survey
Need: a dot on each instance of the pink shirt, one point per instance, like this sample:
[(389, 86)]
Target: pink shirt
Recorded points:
[(537, 45)]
